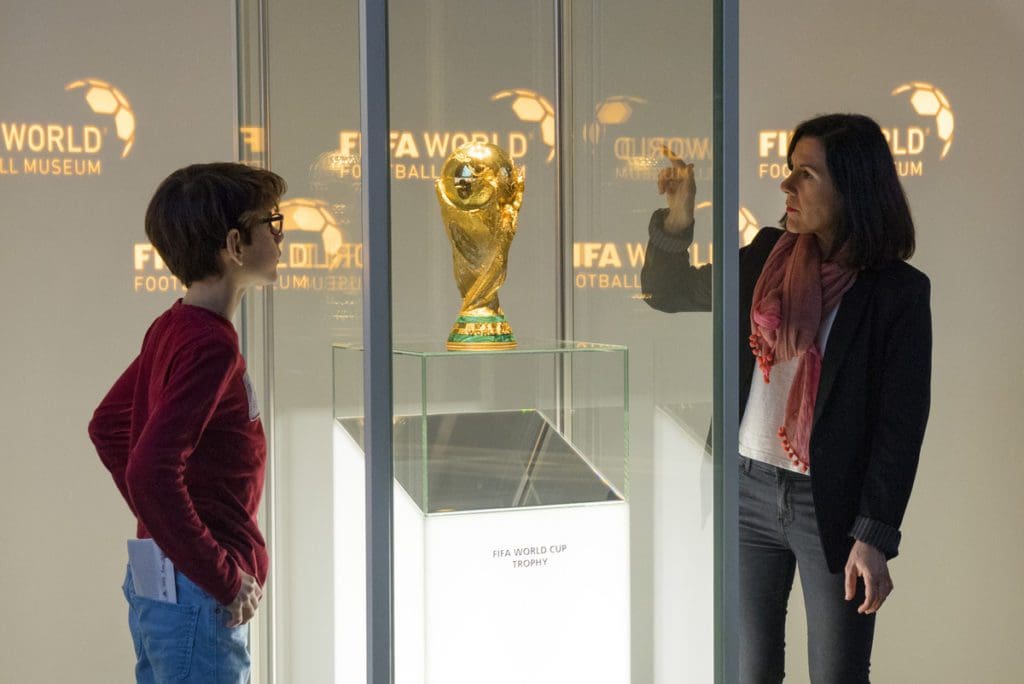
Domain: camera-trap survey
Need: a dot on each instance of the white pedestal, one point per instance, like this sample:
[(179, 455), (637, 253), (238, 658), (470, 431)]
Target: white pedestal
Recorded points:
[(533, 594)]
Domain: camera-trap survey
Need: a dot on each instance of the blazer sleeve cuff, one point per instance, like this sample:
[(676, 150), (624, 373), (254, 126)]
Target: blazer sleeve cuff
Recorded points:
[(883, 537), (673, 244)]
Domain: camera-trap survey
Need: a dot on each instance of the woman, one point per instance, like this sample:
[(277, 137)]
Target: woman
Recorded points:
[(833, 413)]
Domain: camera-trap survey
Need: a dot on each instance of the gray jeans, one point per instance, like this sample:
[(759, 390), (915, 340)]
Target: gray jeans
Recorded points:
[(778, 533)]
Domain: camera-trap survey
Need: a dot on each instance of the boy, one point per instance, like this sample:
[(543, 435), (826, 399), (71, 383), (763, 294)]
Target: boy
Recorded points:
[(180, 431)]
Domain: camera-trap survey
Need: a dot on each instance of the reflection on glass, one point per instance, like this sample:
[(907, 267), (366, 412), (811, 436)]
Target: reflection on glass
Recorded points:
[(669, 281)]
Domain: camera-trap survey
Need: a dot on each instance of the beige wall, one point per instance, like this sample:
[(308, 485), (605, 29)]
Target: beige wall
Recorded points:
[(72, 320), (955, 613)]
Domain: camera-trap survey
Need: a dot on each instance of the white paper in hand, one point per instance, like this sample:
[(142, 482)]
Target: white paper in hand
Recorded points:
[(152, 571)]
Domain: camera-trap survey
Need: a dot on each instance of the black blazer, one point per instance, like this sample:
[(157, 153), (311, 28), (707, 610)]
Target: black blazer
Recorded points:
[(874, 392)]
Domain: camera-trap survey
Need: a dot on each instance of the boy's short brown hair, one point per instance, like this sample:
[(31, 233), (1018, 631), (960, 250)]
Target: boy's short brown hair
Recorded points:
[(194, 208)]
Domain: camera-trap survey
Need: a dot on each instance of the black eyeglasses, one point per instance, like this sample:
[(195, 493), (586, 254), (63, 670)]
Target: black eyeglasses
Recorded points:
[(276, 223)]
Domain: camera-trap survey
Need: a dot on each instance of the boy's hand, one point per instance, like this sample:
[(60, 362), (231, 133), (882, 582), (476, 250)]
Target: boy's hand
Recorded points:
[(243, 608)]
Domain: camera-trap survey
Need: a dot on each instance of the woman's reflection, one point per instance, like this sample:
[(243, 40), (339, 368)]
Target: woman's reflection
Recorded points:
[(668, 281)]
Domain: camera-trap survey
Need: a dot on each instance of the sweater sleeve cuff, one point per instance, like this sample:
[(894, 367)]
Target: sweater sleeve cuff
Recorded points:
[(231, 591), (883, 537), (667, 242)]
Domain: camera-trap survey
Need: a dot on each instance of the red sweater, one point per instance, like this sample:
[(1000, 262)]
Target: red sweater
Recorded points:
[(181, 435)]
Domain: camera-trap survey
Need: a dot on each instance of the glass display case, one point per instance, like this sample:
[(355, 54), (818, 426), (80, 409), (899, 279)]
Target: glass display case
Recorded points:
[(595, 101), (511, 515)]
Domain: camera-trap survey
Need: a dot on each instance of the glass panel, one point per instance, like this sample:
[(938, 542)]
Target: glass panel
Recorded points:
[(460, 72), (313, 86), (639, 81)]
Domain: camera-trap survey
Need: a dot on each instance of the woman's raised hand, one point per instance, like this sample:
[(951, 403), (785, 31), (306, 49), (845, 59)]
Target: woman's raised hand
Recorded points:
[(676, 182)]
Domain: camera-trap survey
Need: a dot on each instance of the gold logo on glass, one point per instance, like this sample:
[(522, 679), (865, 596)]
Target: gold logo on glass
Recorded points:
[(532, 107), (316, 254), (314, 218)]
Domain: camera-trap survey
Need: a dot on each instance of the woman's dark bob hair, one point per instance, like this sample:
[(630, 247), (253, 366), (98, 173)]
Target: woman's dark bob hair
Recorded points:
[(875, 227)]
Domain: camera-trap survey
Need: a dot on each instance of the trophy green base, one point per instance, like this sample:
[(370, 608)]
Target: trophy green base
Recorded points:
[(479, 333)]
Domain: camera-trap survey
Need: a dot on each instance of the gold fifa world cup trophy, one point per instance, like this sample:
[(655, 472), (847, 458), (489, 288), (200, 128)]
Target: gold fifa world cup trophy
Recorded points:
[(480, 191)]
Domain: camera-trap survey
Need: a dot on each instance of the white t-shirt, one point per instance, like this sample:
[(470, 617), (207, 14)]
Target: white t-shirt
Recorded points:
[(766, 407)]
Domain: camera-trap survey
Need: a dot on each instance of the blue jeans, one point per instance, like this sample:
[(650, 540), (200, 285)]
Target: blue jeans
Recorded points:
[(185, 641), (778, 533)]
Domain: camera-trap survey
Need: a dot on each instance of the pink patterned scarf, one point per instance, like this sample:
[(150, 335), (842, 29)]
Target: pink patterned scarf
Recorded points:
[(795, 289)]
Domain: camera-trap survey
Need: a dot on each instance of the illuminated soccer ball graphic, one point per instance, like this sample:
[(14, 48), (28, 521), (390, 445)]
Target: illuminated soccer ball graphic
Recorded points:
[(748, 227), (927, 100), (610, 111), (748, 223), (616, 109), (533, 107), (314, 217), (104, 98)]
